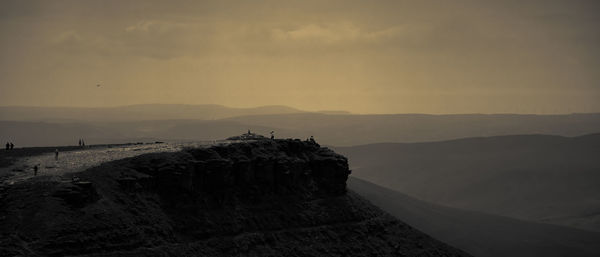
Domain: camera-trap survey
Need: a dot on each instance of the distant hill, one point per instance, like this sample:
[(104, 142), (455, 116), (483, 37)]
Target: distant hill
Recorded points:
[(334, 112), (328, 129), (135, 112), (549, 179), (347, 130), (481, 234), (25, 133)]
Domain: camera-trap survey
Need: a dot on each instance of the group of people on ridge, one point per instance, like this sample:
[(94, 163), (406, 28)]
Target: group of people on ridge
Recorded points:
[(10, 146)]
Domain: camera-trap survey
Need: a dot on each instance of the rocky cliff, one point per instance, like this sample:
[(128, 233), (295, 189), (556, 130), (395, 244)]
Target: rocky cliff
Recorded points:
[(256, 198)]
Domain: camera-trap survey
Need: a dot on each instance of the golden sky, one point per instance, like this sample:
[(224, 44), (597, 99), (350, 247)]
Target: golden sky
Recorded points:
[(526, 56)]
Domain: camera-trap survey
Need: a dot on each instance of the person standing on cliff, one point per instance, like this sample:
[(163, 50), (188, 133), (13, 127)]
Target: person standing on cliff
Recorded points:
[(7, 146), (12, 146), (56, 154)]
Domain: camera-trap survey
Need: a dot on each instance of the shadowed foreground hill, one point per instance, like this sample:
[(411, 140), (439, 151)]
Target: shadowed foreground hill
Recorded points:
[(263, 198), (541, 178), (483, 235)]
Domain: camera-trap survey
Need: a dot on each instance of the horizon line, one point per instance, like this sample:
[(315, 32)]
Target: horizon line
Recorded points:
[(342, 112)]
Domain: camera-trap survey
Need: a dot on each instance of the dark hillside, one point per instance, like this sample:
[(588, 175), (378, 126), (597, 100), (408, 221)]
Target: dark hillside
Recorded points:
[(262, 198), (549, 179), (481, 234)]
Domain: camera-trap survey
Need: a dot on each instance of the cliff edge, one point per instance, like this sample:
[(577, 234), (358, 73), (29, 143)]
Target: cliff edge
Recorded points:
[(254, 198)]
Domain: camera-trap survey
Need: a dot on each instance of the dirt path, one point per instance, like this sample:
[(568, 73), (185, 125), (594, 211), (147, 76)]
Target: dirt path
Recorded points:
[(79, 160)]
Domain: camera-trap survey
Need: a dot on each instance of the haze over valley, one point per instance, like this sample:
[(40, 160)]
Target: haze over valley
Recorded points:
[(300, 128), (547, 179), (31, 127)]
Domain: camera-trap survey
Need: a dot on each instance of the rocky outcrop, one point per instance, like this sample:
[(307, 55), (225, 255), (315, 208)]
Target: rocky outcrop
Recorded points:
[(254, 198), (76, 193), (269, 166), (248, 136)]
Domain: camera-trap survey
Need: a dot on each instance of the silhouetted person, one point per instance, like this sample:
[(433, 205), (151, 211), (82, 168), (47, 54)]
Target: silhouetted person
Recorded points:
[(80, 142), (56, 155), (12, 146), (7, 145), (272, 135), (35, 169)]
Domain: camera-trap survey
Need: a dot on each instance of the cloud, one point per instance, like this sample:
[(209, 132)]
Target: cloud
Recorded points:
[(316, 33), (146, 38), (168, 39), (334, 33), (67, 37), (140, 26), (155, 27)]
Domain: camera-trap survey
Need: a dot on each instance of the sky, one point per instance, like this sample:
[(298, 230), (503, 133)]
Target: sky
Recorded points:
[(526, 56)]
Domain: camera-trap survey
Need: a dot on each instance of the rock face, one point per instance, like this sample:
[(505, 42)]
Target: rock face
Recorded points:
[(256, 198), (77, 193), (284, 167)]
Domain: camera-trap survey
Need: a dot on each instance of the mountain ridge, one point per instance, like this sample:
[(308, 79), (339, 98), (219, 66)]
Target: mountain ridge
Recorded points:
[(330, 129), (481, 234), (138, 112), (549, 179)]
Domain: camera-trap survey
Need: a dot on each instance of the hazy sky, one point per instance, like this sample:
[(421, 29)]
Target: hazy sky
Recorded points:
[(539, 56)]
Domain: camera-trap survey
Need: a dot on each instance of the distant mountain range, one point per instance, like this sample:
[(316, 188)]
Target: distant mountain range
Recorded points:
[(41, 126), (135, 112), (484, 183), (348, 130), (480, 234), (548, 179)]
